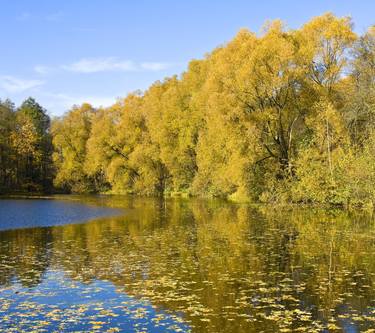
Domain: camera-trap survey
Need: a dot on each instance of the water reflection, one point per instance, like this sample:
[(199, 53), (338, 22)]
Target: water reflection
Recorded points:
[(213, 267)]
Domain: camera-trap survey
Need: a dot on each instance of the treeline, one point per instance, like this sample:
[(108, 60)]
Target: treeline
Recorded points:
[(25, 148), (287, 115)]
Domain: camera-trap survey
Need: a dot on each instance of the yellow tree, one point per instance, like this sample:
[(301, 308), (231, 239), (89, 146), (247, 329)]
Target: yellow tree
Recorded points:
[(116, 132), (252, 89), (70, 135), (324, 48), (174, 123)]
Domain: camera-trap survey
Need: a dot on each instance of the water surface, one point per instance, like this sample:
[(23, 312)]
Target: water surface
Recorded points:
[(26, 213), (191, 266)]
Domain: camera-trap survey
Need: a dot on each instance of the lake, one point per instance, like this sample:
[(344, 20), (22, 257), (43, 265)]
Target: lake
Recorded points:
[(122, 264)]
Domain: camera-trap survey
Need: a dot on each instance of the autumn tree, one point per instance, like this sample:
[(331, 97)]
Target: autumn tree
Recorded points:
[(70, 135), (284, 115)]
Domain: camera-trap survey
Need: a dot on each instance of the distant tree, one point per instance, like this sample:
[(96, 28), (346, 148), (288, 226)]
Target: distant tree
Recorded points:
[(7, 157), (33, 142)]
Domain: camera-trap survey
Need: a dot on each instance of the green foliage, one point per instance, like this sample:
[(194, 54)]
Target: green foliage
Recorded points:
[(25, 148)]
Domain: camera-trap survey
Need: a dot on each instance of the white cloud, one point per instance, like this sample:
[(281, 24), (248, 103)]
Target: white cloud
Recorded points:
[(40, 69), (52, 17), (111, 64), (94, 65), (11, 84)]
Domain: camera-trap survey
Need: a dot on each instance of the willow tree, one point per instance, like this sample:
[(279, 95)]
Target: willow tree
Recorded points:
[(325, 43), (282, 115), (116, 133), (174, 123), (256, 90), (70, 135), (225, 145)]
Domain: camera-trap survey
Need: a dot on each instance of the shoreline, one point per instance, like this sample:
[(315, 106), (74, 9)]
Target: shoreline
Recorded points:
[(278, 205)]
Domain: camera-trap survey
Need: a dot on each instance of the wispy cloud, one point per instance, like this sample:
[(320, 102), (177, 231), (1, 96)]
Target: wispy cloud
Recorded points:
[(11, 84), (105, 64), (51, 17), (40, 69), (94, 65)]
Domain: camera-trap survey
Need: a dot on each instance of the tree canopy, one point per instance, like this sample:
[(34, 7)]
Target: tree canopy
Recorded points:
[(284, 115)]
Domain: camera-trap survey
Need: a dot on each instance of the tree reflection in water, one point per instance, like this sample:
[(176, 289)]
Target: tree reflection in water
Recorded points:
[(208, 265)]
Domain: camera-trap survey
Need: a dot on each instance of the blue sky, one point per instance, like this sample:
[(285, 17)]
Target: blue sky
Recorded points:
[(74, 51)]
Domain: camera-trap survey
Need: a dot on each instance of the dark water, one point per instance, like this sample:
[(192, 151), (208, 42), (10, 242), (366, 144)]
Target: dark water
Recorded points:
[(189, 266)]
